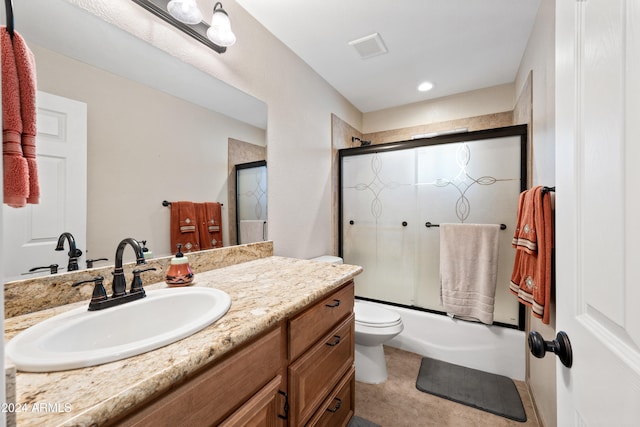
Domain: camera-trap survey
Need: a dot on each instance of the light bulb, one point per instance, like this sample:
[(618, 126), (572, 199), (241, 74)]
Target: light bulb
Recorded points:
[(220, 30), (185, 11)]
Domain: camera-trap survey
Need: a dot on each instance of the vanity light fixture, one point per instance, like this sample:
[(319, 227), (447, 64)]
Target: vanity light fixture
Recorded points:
[(186, 16)]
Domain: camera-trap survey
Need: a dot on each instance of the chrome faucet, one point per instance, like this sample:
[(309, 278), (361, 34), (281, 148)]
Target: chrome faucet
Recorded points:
[(74, 253)]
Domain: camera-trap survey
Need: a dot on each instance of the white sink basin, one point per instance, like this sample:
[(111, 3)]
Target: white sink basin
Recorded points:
[(80, 338)]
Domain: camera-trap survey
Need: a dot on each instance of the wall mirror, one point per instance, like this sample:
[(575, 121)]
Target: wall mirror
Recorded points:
[(157, 128)]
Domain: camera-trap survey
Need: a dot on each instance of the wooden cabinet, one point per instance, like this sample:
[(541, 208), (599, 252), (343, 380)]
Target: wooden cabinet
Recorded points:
[(298, 373), (262, 409), (327, 331), (216, 393), (309, 326), (338, 408)]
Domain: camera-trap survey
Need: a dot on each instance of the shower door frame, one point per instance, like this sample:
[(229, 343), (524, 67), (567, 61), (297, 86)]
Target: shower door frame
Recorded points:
[(240, 167), (508, 131)]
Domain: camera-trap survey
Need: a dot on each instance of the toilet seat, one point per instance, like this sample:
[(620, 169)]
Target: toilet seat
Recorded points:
[(375, 317), (379, 325)]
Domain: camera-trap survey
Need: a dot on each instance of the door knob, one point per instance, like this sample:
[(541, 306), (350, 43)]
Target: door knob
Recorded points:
[(561, 346)]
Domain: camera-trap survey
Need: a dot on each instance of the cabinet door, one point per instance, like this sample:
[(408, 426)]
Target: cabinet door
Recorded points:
[(219, 391), (316, 373), (261, 410), (338, 409)]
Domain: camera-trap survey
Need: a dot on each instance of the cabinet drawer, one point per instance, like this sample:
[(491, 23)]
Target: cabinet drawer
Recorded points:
[(309, 326), (316, 373), (261, 410), (338, 409), (218, 391)]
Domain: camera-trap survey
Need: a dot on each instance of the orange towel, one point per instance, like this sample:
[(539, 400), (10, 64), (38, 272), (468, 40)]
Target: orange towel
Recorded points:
[(15, 167), (531, 276), (525, 236), (26, 68), (184, 227), (209, 224)]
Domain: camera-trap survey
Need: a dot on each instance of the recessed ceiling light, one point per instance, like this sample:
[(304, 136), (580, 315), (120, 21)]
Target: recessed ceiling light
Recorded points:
[(425, 86)]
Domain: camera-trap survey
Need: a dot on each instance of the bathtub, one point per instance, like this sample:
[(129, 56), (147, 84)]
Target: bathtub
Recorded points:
[(488, 348)]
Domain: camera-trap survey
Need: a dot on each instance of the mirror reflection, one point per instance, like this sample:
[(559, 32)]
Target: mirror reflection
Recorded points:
[(251, 202), (155, 129)]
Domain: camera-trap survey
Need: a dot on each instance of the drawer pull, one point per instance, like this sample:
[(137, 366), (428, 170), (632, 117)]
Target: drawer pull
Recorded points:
[(286, 405), (336, 302), (337, 406), (335, 342)]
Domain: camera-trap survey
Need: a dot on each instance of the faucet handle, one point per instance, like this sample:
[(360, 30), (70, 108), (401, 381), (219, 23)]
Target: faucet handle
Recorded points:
[(53, 268), (91, 261), (136, 284), (99, 293)]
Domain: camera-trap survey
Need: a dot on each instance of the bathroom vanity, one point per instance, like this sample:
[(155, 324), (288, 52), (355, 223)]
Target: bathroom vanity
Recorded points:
[(282, 355)]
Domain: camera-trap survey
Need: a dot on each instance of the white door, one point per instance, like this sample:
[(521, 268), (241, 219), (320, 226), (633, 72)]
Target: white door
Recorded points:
[(30, 234), (598, 210)]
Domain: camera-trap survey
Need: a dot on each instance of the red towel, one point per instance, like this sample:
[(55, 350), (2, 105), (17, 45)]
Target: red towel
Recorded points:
[(533, 241), (15, 167), (26, 68), (184, 227), (209, 225)]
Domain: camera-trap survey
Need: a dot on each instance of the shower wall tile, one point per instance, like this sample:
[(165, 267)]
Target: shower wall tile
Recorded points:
[(487, 121)]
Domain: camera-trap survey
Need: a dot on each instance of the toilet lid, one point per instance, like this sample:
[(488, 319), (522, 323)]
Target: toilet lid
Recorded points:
[(372, 315)]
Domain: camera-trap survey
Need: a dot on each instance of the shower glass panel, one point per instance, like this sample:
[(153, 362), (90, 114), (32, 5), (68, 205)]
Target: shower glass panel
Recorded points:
[(377, 233), (389, 192), (251, 199)]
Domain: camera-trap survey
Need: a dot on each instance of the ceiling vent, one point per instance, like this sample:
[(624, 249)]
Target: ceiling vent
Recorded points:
[(369, 46)]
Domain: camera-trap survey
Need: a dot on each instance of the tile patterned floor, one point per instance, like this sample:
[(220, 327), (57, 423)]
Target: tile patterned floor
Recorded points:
[(397, 402)]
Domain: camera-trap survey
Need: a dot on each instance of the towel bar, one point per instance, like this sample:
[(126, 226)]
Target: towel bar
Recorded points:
[(166, 203), (429, 225)]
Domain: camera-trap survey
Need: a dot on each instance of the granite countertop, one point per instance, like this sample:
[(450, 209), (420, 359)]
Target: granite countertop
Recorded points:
[(263, 292)]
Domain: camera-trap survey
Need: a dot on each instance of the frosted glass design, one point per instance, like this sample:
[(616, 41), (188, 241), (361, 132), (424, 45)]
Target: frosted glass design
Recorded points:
[(252, 194), (375, 190), (470, 182)]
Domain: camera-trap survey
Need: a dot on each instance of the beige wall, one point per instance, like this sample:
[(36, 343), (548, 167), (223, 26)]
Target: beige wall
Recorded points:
[(144, 146), (538, 69), (479, 102)]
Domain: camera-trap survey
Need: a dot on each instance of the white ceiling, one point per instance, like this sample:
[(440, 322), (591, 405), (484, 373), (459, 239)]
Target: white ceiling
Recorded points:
[(458, 45)]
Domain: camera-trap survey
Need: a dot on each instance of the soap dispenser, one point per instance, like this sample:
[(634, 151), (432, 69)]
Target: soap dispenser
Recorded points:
[(179, 273), (145, 250)]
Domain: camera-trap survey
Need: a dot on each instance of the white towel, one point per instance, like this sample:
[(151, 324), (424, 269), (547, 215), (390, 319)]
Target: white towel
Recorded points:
[(252, 231), (468, 270)]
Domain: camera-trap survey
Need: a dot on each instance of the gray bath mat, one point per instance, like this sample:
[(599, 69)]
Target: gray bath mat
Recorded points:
[(489, 392), (361, 422)]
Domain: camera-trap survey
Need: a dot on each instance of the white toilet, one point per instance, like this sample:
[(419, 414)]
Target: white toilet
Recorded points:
[(374, 326)]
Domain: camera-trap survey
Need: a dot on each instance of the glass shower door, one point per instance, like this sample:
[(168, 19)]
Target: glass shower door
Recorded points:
[(251, 200), (379, 223)]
